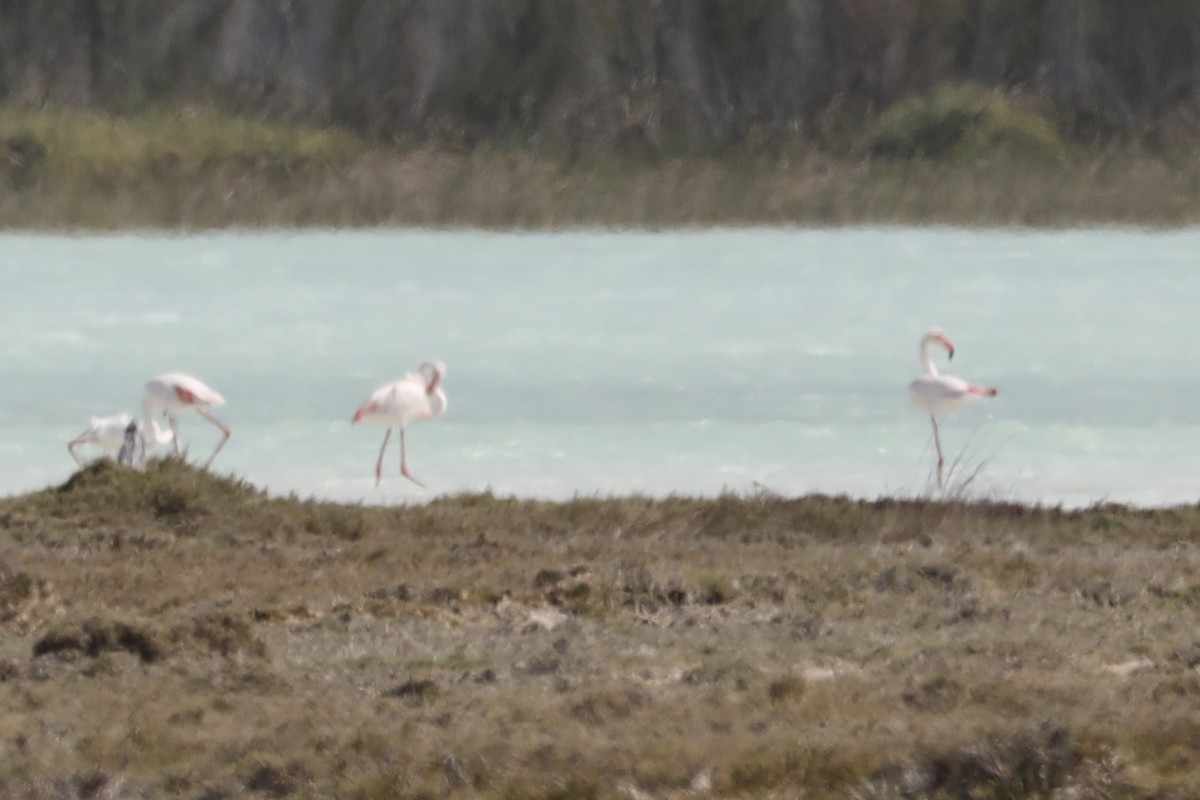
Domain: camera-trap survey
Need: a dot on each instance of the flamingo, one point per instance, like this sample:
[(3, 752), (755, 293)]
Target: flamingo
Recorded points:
[(940, 394), (394, 405), (173, 392), (108, 433)]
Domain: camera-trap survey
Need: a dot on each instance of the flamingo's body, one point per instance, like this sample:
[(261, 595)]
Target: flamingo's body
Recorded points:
[(394, 405), (173, 392), (108, 433), (938, 394)]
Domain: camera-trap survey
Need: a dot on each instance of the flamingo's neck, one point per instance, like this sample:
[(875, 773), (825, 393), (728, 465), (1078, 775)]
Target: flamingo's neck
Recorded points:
[(927, 364), (437, 403), (150, 427), (158, 434)]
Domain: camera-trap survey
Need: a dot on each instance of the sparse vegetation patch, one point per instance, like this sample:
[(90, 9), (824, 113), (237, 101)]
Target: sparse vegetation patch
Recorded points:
[(245, 645)]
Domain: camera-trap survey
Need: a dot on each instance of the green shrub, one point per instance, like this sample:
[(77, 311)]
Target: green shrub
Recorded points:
[(94, 144), (965, 122)]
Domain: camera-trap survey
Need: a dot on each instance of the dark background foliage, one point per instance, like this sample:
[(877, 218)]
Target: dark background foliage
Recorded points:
[(658, 75)]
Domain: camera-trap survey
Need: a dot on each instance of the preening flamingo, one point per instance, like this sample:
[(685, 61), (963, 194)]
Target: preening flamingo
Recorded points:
[(394, 405), (108, 433), (940, 394), (173, 392)]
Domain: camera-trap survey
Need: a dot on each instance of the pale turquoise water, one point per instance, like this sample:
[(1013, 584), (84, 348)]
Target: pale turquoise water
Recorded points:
[(606, 363)]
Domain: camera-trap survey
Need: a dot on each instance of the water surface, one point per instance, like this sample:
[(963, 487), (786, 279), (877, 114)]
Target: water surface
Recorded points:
[(603, 363)]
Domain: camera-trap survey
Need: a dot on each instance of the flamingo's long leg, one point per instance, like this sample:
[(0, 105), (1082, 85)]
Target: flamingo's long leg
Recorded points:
[(937, 442), (224, 434), (379, 462), (404, 462), (174, 433)]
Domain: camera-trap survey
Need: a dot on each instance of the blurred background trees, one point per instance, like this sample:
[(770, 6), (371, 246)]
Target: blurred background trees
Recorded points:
[(643, 77)]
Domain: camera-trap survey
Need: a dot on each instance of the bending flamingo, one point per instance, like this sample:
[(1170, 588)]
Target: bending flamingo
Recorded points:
[(108, 433), (173, 392), (394, 405), (940, 394)]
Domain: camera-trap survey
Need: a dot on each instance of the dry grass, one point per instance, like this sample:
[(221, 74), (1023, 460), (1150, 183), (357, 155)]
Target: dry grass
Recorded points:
[(66, 170), (179, 634)]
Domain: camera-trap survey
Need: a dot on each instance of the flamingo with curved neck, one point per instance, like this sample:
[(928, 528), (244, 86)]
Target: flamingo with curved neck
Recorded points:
[(938, 394), (416, 396), (175, 392)]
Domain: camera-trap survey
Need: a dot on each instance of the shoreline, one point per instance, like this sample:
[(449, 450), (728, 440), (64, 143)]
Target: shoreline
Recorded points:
[(584, 229), (89, 171), (983, 502), (478, 203)]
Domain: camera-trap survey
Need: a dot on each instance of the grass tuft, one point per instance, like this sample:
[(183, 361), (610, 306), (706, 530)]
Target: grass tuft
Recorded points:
[(96, 635)]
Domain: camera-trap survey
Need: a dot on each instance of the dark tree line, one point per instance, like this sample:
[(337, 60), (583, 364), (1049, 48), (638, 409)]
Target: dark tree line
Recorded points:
[(660, 74)]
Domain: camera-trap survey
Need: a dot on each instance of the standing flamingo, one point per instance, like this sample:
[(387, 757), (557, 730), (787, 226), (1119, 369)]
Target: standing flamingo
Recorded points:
[(173, 392), (108, 433), (393, 405), (941, 394)]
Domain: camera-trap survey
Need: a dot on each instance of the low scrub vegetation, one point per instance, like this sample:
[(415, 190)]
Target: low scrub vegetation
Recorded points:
[(226, 643), (72, 144), (966, 123), (958, 157)]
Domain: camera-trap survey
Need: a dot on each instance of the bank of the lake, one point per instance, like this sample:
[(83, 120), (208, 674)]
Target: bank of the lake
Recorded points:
[(175, 634), (66, 170)]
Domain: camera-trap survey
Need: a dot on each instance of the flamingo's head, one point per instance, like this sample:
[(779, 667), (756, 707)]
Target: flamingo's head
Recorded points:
[(437, 371), (939, 336)]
